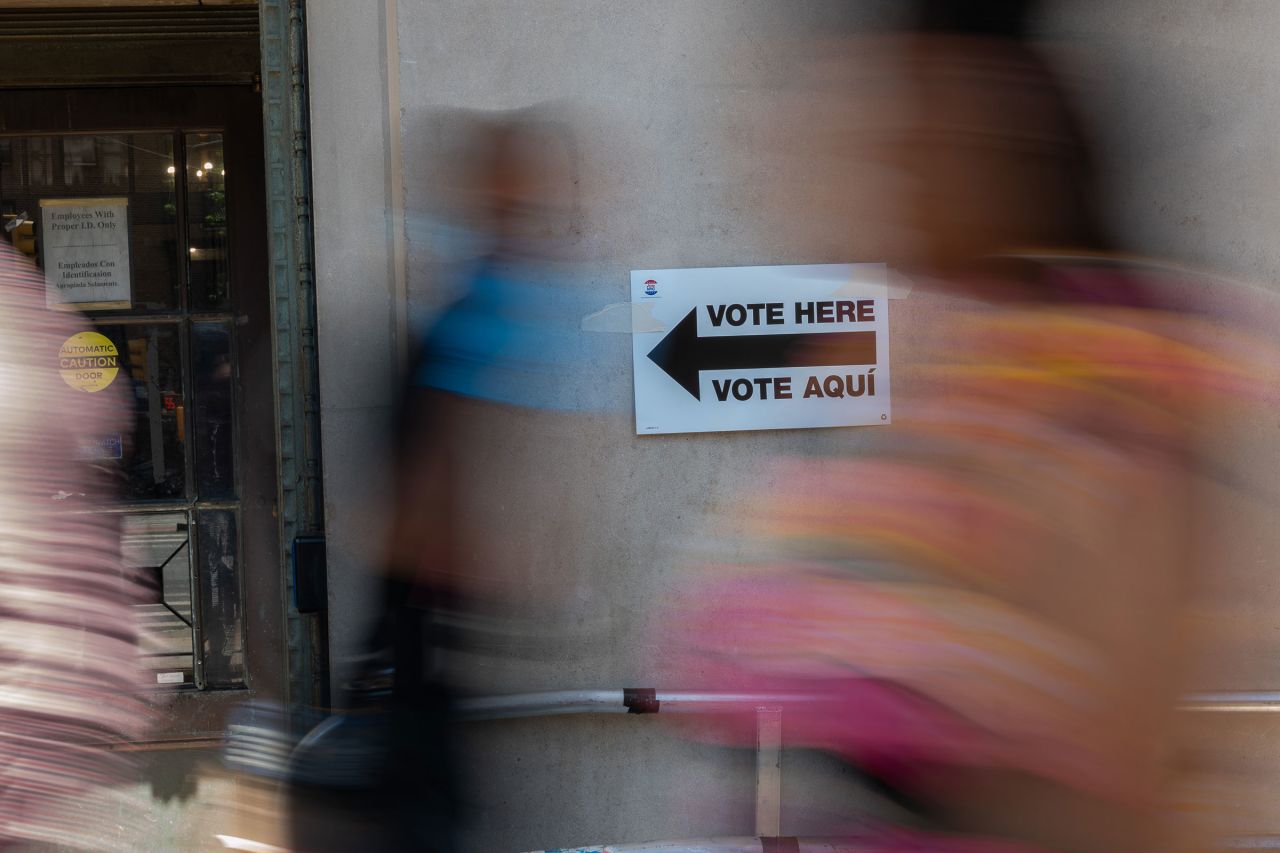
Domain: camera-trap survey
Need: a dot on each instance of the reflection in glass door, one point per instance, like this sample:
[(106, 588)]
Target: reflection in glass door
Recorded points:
[(169, 352)]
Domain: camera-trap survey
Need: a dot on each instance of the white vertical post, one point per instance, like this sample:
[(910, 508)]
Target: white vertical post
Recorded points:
[(768, 771)]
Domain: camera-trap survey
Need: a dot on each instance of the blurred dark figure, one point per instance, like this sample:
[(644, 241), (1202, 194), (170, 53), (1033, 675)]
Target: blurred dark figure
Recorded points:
[(999, 18), (503, 343), (70, 690)]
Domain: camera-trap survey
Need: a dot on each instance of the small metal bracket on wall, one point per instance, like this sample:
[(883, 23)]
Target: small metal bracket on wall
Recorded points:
[(309, 580)]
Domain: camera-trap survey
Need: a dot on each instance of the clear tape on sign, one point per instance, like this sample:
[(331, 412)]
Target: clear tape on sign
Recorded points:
[(624, 318)]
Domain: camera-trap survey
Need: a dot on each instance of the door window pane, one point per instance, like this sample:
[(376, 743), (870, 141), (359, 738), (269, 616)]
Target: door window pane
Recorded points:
[(211, 372), (138, 167), (221, 611), (206, 186), (174, 374), (156, 547), (153, 463)]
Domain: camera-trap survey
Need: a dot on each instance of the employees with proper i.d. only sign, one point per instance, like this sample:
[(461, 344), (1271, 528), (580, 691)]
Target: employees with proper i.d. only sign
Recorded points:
[(747, 348)]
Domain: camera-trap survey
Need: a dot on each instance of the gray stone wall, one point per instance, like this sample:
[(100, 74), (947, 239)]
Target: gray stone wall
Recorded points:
[(719, 132)]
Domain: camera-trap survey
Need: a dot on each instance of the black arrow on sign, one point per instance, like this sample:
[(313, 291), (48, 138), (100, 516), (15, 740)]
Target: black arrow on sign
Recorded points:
[(682, 354)]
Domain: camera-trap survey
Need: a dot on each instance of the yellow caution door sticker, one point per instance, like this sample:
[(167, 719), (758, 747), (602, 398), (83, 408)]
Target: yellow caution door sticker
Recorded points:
[(88, 361)]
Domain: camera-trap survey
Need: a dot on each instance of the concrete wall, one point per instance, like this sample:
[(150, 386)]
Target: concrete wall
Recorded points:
[(357, 282), (723, 132)]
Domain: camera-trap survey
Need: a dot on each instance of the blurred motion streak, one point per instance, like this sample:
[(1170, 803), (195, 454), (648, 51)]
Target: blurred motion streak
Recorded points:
[(993, 597), (510, 345), (69, 688)]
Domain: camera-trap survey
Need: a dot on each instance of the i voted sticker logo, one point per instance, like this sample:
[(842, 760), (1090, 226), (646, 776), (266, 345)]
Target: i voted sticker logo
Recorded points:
[(650, 288)]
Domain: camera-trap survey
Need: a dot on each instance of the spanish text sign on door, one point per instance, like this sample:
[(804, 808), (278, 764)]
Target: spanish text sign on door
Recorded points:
[(86, 252), (744, 348)]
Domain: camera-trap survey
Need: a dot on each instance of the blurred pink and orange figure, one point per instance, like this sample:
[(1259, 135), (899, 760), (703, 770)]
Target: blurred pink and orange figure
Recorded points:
[(990, 596), (70, 689)]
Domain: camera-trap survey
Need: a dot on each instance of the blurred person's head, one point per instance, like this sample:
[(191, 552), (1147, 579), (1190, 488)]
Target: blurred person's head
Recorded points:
[(929, 134), (1000, 163), (510, 178), (996, 18)]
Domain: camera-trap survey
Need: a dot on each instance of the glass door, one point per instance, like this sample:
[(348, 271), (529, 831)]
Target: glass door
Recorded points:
[(147, 218)]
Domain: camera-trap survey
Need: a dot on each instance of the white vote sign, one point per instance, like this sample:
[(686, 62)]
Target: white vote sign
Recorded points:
[(744, 348)]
